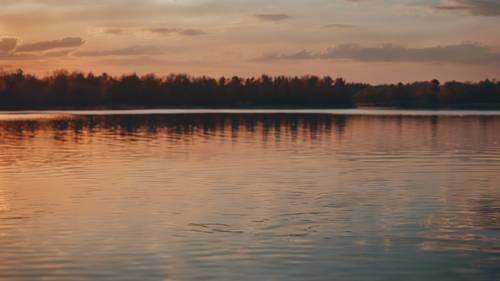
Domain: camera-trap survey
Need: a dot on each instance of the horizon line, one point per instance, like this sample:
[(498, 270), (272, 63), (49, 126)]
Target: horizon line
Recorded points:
[(67, 72)]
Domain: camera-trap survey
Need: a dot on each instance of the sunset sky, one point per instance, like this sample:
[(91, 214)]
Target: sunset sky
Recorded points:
[(373, 41)]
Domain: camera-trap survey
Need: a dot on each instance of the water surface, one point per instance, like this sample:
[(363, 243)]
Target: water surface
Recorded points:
[(250, 195)]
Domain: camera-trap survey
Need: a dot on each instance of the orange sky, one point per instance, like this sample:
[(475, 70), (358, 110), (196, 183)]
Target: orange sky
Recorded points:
[(361, 40)]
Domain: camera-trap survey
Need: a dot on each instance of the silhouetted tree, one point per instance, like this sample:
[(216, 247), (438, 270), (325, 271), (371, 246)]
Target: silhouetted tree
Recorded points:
[(78, 90)]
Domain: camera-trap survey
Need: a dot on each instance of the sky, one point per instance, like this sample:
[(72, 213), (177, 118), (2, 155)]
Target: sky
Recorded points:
[(374, 41)]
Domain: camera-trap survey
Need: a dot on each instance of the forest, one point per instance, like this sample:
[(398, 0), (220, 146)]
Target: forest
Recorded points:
[(76, 90)]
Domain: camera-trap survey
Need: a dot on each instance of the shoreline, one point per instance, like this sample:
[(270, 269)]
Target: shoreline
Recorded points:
[(465, 107), (389, 112)]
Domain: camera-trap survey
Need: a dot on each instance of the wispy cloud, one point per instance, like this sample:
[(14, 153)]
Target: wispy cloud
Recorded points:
[(272, 17), (339, 25), (469, 53), (68, 42), (16, 57), (113, 31), (10, 50), (475, 7), (34, 57), (57, 54), (135, 61), (129, 51), (170, 31), (191, 32), (8, 44)]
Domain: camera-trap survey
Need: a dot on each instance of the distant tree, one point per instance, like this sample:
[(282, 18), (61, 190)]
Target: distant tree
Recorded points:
[(78, 90)]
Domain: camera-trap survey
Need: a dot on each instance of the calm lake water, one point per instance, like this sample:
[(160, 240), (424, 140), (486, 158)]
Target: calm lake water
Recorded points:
[(250, 195)]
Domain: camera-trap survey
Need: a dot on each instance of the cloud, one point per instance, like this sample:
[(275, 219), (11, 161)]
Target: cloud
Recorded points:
[(467, 53), (300, 55), (475, 7), (129, 51), (7, 44), (191, 32), (272, 17), (58, 53), (92, 30), (10, 51), (14, 57), (165, 31), (113, 31), (34, 57), (162, 30), (135, 61), (44, 2), (24, 14), (339, 25), (68, 42)]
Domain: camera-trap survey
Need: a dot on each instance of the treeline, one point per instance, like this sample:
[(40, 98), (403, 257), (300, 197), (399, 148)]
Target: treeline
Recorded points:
[(432, 94), (78, 90)]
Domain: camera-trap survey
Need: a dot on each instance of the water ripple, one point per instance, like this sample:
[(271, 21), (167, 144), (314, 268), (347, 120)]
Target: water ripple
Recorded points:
[(231, 195)]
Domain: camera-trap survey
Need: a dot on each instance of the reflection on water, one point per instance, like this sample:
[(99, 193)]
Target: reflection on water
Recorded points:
[(228, 196)]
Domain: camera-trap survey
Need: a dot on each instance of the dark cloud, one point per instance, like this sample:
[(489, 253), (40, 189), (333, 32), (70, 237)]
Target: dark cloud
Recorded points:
[(169, 31), (129, 51), (7, 44), (68, 42), (475, 7), (272, 17), (469, 53)]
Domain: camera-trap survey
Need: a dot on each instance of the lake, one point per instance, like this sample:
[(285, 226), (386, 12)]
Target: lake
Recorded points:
[(250, 195)]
